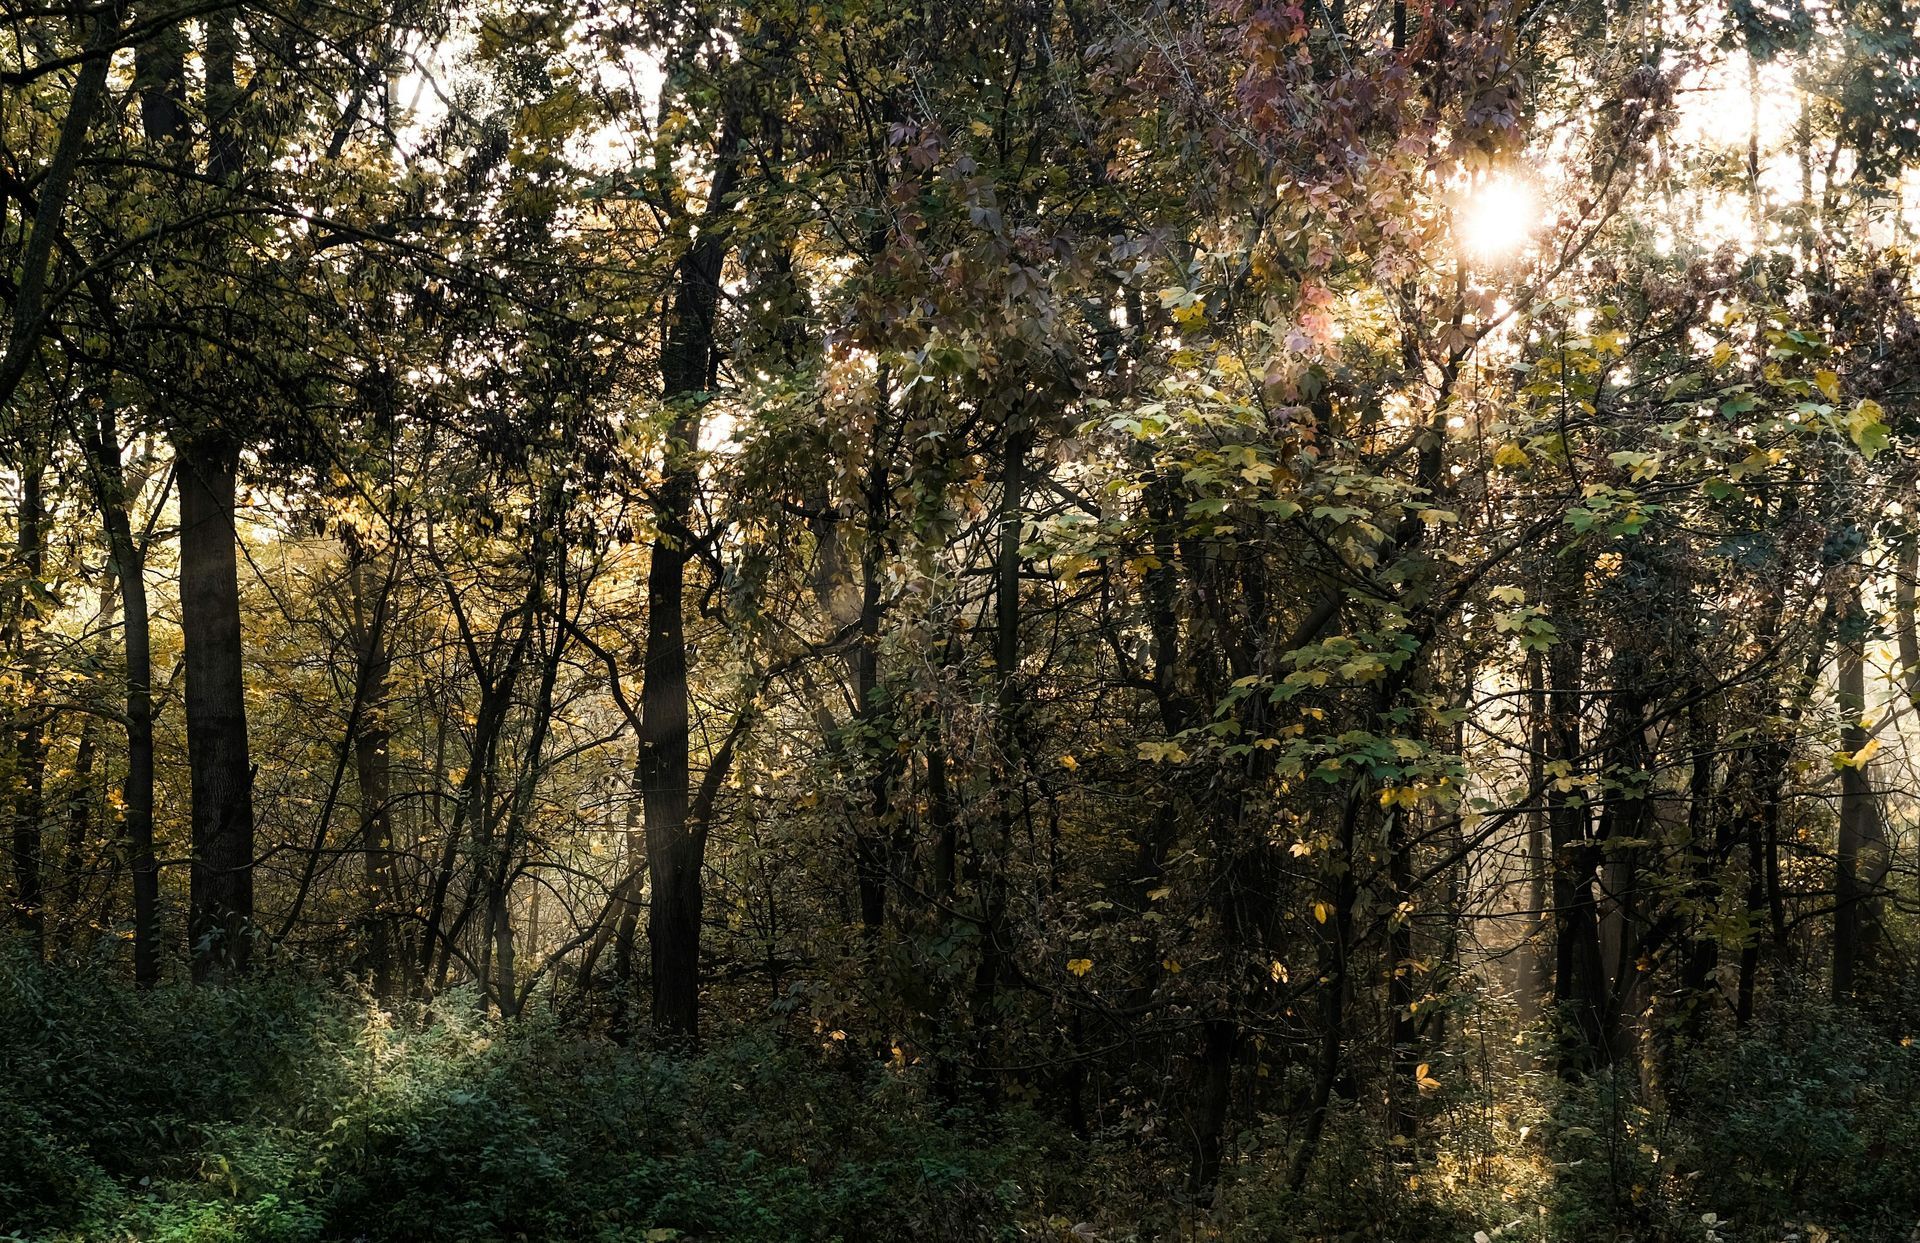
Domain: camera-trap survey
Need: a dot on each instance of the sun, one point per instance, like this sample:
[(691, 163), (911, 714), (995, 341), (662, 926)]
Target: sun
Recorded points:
[(1497, 217)]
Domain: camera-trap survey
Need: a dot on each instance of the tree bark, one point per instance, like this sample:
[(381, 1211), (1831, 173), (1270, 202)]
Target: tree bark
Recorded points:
[(1862, 858), (29, 742), (1579, 975), (675, 850), (220, 917), (373, 771), (112, 493)]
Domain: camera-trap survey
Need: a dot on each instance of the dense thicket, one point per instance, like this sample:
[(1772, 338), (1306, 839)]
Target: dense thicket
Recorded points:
[(915, 619)]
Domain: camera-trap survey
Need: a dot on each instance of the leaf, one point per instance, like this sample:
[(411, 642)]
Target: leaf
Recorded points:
[(1828, 383), (1079, 966), (1510, 456), (1320, 912), (1856, 759), (1869, 433), (1426, 1081)]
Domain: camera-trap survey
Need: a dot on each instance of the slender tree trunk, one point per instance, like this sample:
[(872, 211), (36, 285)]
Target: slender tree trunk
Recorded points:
[(676, 850), (1862, 857), (1336, 947), (520, 810), (627, 892), (29, 727), (112, 494), (219, 924), (673, 915), (1579, 976), (873, 852), (74, 864), (373, 771), (52, 187), (160, 81), (1709, 844), (992, 863), (1535, 969)]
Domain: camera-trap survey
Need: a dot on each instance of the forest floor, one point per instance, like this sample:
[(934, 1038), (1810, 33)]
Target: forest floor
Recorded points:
[(288, 1111)]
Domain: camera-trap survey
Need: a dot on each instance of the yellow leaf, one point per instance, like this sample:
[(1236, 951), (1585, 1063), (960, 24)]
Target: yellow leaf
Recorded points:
[(1510, 456), (1069, 763), (1320, 911), (1154, 895), (1173, 968), (1828, 383), (1856, 759), (1080, 966), (1426, 1081), (1867, 429)]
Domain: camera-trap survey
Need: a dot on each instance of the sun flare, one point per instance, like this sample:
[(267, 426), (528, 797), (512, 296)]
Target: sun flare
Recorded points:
[(1498, 217)]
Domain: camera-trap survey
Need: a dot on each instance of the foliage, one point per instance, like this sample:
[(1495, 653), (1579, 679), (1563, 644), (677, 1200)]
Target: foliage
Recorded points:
[(1240, 617), (283, 1111)]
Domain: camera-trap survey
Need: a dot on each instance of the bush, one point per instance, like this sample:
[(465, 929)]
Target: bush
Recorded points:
[(276, 1110)]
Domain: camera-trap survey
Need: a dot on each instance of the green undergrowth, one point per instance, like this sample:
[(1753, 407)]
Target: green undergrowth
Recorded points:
[(282, 1110)]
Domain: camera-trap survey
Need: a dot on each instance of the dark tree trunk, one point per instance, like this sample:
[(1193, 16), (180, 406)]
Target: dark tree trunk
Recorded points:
[(990, 865), (1535, 969), (1579, 974), (112, 493), (29, 739), (676, 850), (673, 854), (873, 850), (160, 80), (137, 790), (373, 772), (627, 893), (220, 917), (1862, 857)]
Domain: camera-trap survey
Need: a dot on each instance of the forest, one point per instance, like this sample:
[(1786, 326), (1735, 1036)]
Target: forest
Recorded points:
[(1082, 620)]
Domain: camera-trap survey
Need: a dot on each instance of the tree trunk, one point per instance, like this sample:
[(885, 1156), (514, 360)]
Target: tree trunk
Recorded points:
[(1862, 858), (673, 862), (221, 887), (627, 895), (1535, 969), (991, 865), (675, 850), (29, 739), (112, 493), (373, 772), (1579, 976)]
